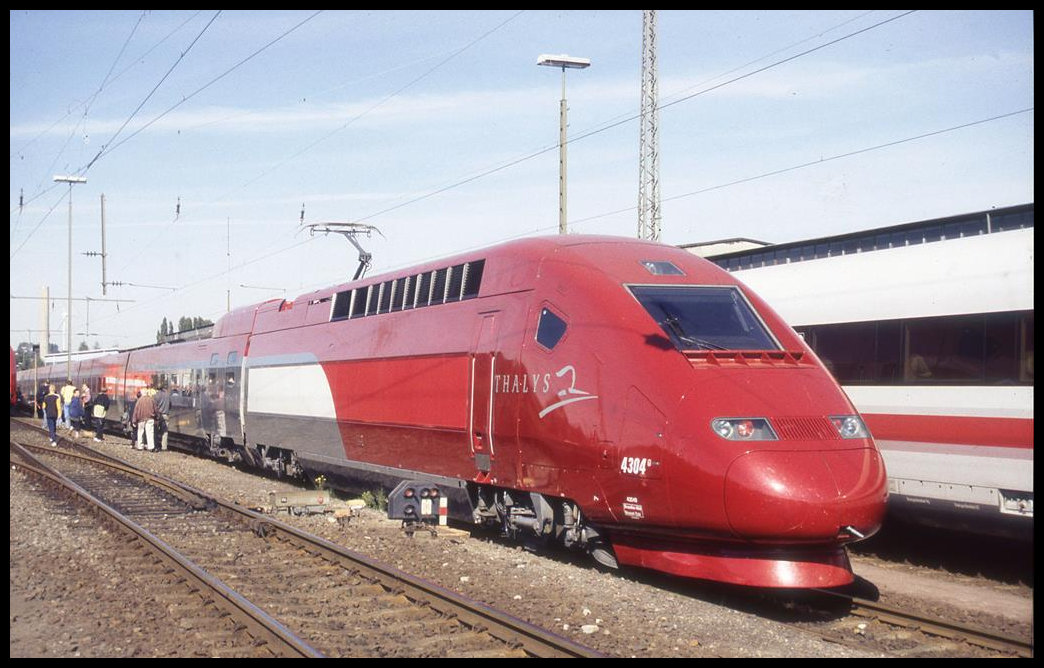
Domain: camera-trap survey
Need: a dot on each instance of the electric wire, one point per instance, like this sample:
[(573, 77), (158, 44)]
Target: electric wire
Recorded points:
[(613, 124), (107, 150), (449, 57), (203, 88), (576, 138), (605, 127), (23, 149), (897, 142)]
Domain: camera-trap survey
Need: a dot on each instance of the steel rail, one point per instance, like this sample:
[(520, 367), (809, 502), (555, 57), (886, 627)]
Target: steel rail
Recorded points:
[(940, 627), (533, 640), (260, 624), (936, 626)]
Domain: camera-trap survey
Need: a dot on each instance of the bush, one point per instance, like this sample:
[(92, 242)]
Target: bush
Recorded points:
[(377, 499)]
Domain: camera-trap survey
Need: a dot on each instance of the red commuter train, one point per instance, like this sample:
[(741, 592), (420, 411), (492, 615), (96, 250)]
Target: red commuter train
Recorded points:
[(618, 396)]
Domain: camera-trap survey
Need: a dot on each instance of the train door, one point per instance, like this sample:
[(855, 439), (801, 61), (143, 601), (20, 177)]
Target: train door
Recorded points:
[(483, 389), (197, 388), (211, 391), (232, 380)]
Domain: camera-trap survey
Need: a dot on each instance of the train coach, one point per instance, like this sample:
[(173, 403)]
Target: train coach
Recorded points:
[(14, 378), (928, 326), (616, 396)]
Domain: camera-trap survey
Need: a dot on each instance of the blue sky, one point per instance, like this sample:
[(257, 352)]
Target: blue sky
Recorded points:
[(207, 132)]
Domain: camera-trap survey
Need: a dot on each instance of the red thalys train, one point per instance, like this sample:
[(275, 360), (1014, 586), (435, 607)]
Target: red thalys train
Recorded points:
[(14, 377), (618, 396)]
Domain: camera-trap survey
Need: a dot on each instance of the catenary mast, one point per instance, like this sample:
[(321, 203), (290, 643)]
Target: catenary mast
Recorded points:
[(649, 149)]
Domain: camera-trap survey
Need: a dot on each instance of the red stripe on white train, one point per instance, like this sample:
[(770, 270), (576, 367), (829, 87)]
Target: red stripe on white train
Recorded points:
[(963, 430)]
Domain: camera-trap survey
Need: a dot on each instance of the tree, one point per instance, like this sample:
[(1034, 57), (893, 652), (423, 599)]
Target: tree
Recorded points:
[(185, 323), (24, 356), (83, 346)]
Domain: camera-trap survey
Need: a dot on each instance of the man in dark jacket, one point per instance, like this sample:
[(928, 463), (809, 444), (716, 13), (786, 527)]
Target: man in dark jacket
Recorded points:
[(145, 418), (52, 406), (162, 400), (101, 408)]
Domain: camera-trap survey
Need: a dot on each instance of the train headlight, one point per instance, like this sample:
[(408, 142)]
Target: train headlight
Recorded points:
[(743, 429), (850, 426)]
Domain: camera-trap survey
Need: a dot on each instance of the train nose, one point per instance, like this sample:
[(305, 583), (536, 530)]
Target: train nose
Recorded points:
[(806, 495)]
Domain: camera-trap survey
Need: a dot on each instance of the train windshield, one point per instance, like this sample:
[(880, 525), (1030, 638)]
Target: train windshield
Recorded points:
[(699, 317)]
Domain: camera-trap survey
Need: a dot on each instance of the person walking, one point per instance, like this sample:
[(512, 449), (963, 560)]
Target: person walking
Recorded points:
[(40, 404), (127, 419), (145, 418), (76, 412), (52, 408), (101, 408), (85, 396), (67, 393), (162, 400)]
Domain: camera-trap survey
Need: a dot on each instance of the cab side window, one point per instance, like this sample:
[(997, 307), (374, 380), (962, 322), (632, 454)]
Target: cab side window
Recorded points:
[(550, 329)]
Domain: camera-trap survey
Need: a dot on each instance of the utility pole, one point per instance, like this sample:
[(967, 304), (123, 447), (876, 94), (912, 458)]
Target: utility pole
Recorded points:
[(564, 62), (47, 319), (104, 283), (68, 353), (103, 242), (228, 254), (649, 136)]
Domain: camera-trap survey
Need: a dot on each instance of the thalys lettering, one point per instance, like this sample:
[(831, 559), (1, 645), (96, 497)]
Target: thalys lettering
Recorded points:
[(619, 397), (536, 383)]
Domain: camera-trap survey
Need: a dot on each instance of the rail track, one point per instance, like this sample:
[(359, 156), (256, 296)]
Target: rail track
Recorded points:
[(881, 627), (289, 593), (936, 627)]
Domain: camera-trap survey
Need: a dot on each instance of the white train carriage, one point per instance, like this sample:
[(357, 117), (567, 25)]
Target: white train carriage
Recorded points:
[(929, 329)]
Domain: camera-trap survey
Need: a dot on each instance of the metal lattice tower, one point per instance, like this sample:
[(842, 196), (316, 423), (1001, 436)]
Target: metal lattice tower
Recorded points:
[(649, 142)]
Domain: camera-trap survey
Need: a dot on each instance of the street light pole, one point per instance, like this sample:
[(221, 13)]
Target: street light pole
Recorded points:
[(68, 339), (564, 62)]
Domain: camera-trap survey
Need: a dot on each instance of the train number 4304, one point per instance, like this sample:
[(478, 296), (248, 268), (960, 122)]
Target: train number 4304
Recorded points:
[(636, 465)]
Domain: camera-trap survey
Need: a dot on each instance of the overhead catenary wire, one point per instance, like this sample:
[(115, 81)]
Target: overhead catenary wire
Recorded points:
[(109, 149), (581, 135), (820, 161), (383, 101), (449, 57), (202, 88), (601, 129), (134, 62), (152, 92), (87, 104), (897, 142)]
